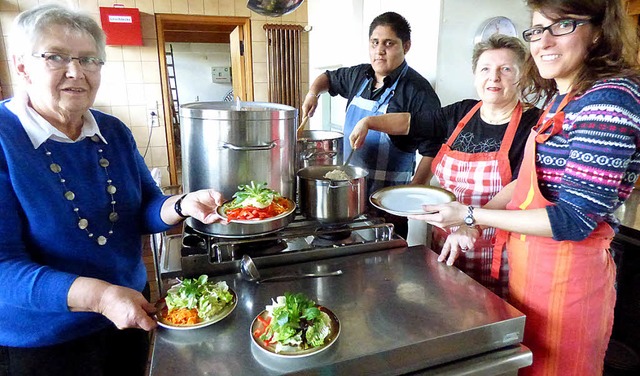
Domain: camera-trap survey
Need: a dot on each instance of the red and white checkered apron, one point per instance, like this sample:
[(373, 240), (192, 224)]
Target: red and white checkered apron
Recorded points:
[(474, 178)]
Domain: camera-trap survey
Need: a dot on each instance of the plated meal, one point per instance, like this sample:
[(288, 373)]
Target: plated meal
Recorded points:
[(195, 303), (294, 326), (255, 202), (405, 200)]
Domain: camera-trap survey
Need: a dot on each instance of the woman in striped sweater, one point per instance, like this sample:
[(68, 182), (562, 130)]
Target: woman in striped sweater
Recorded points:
[(580, 164)]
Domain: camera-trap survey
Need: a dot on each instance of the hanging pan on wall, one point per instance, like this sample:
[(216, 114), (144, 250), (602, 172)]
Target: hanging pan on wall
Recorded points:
[(273, 8)]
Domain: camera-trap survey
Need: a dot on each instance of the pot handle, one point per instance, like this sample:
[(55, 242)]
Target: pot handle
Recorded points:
[(268, 146), (339, 183), (315, 155)]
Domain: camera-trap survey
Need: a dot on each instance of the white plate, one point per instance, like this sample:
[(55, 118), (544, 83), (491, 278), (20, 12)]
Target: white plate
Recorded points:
[(404, 200), (291, 352), (161, 306)]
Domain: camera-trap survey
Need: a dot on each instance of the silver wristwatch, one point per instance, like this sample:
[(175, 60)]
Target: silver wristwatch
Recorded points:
[(469, 220)]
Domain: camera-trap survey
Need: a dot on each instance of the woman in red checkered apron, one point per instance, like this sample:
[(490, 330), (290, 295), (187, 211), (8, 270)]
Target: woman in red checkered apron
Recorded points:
[(485, 140)]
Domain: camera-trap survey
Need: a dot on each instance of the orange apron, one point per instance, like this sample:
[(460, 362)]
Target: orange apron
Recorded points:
[(565, 288), (474, 178)]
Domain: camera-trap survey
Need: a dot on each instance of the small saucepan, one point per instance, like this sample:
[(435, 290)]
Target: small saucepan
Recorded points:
[(332, 201)]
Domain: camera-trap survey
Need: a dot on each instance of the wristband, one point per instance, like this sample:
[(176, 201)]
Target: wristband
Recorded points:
[(315, 95), (178, 207)]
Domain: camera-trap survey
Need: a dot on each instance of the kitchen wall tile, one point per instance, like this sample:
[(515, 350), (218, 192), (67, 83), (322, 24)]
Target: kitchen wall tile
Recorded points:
[(162, 6), (159, 153), (151, 73), (241, 9), (211, 7), (261, 92), (149, 52), (257, 30), (301, 13), (133, 72), (9, 6), (114, 54), (226, 8), (135, 94), (259, 52), (260, 72), (138, 116), (6, 22), (90, 6), (179, 6), (27, 4), (122, 113), (118, 94), (145, 6), (196, 6), (131, 53), (158, 137)]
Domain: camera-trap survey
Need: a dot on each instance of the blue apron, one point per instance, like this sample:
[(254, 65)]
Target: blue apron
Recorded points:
[(386, 164)]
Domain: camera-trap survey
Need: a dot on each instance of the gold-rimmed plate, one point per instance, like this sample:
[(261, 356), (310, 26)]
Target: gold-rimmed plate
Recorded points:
[(405, 200), (162, 311), (295, 352)]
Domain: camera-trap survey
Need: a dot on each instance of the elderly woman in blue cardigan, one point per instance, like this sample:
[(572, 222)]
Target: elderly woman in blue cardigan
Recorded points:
[(76, 198)]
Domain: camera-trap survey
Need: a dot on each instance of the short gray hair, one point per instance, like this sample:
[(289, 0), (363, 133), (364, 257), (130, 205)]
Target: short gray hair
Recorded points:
[(30, 25), (497, 42)]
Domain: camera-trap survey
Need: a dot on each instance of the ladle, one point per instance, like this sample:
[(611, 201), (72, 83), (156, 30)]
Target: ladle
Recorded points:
[(250, 272), (346, 163)]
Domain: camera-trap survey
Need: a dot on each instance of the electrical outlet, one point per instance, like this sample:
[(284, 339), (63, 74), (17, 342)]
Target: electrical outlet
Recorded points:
[(152, 115)]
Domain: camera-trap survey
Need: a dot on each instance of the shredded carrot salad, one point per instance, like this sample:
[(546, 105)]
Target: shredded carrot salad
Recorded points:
[(182, 316), (278, 206)]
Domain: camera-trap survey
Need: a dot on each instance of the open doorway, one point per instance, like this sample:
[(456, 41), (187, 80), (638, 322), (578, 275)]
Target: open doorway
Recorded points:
[(235, 31)]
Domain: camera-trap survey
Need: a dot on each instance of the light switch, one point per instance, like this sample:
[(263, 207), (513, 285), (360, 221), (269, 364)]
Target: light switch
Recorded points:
[(221, 75)]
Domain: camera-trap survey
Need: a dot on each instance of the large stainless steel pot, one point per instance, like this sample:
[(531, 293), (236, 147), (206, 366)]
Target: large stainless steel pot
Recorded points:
[(226, 144), (319, 148), (332, 201)]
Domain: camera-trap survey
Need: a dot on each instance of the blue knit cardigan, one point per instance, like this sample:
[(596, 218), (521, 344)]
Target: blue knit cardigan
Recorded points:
[(42, 249)]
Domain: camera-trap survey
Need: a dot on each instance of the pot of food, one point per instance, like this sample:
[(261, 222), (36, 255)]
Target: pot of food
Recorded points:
[(319, 148), (229, 144), (327, 197)]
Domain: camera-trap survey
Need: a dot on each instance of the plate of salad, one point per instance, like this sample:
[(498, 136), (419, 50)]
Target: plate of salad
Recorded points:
[(195, 303), (256, 203), (294, 326)]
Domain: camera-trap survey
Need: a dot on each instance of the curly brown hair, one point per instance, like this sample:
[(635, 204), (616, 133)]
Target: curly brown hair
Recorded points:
[(613, 54)]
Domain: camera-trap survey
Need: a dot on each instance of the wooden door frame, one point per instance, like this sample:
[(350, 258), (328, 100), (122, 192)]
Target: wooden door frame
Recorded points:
[(198, 29)]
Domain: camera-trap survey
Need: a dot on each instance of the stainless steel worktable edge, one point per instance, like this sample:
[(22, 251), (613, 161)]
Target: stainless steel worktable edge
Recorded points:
[(400, 311)]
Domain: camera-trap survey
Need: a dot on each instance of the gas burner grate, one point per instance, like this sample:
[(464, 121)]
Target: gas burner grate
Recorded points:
[(301, 241)]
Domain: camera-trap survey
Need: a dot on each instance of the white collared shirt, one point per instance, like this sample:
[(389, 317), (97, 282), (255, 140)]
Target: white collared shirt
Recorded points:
[(39, 130)]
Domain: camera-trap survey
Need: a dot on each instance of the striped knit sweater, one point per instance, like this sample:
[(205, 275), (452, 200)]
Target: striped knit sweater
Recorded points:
[(589, 169)]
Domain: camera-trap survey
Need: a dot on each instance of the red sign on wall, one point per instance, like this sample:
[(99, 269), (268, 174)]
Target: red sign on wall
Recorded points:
[(122, 26)]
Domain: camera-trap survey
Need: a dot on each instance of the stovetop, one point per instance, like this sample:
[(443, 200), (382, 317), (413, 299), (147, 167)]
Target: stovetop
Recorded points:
[(192, 253)]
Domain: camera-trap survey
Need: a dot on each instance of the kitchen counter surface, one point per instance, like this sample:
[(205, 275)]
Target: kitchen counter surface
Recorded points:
[(400, 311)]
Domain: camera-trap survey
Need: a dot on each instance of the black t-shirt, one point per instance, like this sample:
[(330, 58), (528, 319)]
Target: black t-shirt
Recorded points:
[(477, 136), (412, 94)]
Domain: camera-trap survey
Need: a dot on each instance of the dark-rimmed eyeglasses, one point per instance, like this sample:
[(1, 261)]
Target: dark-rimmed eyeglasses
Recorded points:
[(562, 27), (57, 60)]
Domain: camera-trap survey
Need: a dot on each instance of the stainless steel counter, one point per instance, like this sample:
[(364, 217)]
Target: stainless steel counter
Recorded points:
[(400, 311)]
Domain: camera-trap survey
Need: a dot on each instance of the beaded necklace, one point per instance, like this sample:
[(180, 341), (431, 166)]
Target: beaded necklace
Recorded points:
[(83, 223)]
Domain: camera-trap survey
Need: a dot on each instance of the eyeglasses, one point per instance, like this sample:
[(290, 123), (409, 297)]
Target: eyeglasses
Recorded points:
[(56, 60), (562, 27)]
